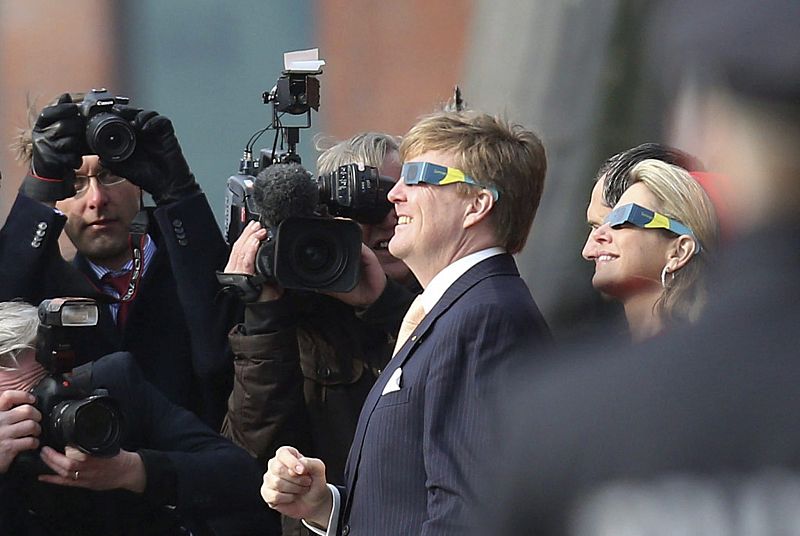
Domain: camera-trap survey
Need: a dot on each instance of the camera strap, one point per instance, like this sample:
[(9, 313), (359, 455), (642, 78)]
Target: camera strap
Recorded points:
[(136, 241)]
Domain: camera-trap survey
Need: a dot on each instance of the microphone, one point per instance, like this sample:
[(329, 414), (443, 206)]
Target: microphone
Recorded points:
[(284, 191)]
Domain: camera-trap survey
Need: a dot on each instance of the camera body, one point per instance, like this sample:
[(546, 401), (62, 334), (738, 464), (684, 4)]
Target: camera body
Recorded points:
[(108, 135), (313, 252), (88, 421), (352, 191)]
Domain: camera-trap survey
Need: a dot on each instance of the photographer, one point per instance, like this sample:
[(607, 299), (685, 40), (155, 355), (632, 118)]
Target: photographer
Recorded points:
[(172, 473), (158, 274), (314, 399)]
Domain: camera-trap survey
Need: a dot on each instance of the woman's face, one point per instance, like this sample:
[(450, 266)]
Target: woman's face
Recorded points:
[(628, 260)]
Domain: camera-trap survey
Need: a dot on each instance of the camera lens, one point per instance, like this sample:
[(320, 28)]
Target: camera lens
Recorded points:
[(318, 258), (317, 254), (110, 137), (92, 424)]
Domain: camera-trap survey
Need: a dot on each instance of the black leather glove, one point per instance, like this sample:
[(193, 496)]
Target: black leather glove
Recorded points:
[(59, 141), (157, 164)]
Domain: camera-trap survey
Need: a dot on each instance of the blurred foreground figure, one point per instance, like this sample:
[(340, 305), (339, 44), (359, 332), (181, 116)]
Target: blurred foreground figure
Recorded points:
[(696, 431)]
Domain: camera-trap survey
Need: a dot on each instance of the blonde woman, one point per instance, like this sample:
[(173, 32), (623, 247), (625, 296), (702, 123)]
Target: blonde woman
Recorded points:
[(652, 252)]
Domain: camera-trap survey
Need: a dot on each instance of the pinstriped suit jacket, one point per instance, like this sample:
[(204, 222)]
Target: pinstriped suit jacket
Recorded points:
[(415, 461)]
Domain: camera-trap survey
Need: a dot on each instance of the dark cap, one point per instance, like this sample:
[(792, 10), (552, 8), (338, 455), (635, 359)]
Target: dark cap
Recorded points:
[(749, 46)]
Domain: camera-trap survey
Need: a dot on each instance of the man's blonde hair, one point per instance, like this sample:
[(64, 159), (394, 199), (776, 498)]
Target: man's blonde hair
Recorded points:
[(495, 153)]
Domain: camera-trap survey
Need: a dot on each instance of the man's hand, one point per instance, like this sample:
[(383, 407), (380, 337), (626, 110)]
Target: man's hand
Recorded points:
[(157, 164), (370, 286), (80, 470), (295, 486), (19, 426), (59, 141), (243, 253), (242, 259)]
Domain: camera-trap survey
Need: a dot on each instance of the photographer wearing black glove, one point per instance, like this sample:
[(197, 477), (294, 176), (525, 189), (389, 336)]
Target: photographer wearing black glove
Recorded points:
[(157, 164), (171, 474), (91, 156), (56, 150), (305, 361)]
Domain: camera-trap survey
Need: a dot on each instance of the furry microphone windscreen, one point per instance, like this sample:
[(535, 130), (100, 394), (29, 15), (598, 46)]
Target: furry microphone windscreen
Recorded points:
[(285, 190)]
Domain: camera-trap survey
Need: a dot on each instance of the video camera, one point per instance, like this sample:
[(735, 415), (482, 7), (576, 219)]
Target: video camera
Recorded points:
[(90, 422), (309, 250)]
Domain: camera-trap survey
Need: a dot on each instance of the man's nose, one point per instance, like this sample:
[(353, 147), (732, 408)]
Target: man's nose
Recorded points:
[(397, 193), (96, 194)]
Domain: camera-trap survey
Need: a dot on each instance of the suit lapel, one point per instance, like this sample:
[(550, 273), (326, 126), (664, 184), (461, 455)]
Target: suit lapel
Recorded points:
[(497, 265)]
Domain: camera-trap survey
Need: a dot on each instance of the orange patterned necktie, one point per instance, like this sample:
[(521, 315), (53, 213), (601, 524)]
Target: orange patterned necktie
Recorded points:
[(411, 320)]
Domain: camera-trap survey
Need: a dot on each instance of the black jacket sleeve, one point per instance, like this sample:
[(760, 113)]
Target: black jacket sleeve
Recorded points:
[(188, 465), (31, 265)]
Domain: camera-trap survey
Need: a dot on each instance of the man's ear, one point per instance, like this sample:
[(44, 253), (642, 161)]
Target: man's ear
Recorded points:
[(479, 209), (682, 250)]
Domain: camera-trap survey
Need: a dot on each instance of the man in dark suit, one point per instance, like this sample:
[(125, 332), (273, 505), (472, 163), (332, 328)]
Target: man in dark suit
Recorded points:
[(164, 310), (465, 202), (695, 432)]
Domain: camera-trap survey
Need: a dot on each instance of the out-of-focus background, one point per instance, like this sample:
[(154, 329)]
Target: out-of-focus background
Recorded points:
[(568, 69)]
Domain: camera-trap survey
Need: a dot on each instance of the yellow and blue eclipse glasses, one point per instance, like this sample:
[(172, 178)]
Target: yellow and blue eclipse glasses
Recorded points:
[(647, 219), (427, 173)]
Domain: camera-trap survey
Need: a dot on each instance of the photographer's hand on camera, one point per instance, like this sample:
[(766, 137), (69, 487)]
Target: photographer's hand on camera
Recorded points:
[(19, 426), (242, 259), (58, 143), (74, 468), (157, 164)]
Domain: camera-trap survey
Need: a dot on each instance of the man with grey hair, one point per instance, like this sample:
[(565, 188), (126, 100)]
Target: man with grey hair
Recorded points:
[(305, 362), (151, 486)]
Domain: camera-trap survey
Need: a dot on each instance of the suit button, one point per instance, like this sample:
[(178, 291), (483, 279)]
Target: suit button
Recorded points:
[(36, 243), (42, 225), (345, 530), (183, 242), (40, 233), (323, 372), (177, 224)]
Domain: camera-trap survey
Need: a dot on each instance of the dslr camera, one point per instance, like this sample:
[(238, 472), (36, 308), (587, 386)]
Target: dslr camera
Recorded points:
[(108, 135), (88, 421)]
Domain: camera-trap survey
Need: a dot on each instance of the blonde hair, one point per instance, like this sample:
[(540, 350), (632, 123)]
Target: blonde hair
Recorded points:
[(495, 153), (368, 148), (681, 198)]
